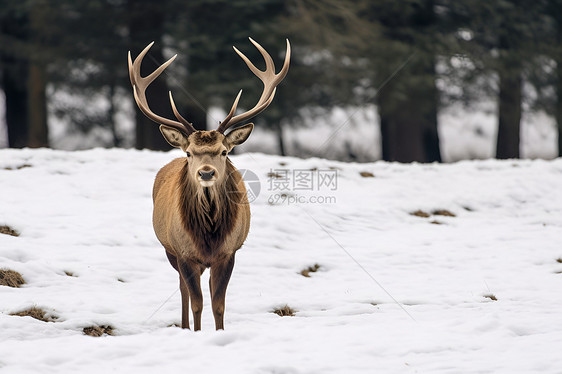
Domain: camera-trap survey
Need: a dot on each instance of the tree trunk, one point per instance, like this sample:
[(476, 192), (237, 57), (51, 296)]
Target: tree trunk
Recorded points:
[(111, 115), (38, 130), (14, 81), (509, 116), (408, 115), (559, 105), (280, 140), (558, 17), (15, 72), (146, 23)]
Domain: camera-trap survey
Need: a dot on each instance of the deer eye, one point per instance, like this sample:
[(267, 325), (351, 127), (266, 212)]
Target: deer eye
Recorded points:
[(188, 154), (224, 153)]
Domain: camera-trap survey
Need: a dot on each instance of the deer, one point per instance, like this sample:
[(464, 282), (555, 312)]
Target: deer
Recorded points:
[(201, 213)]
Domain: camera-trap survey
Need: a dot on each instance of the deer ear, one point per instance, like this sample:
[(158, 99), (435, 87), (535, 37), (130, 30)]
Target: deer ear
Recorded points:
[(239, 135), (175, 137)]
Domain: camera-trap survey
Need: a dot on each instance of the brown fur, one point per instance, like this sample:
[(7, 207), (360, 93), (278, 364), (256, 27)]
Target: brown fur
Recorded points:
[(209, 216), (200, 227), (204, 138), (201, 214)]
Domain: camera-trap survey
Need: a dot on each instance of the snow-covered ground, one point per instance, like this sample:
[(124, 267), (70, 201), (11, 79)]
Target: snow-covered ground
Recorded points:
[(394, 292)]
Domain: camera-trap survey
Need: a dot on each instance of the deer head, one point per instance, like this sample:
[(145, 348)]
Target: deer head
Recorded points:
[(207, 151)]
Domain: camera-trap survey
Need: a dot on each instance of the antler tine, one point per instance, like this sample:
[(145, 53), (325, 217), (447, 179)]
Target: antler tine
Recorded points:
[(270, 81), (177, 114), (233, 109), (139, 87), (269, 65)]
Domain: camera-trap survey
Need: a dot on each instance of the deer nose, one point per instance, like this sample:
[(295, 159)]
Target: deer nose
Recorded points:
[(206, 175)]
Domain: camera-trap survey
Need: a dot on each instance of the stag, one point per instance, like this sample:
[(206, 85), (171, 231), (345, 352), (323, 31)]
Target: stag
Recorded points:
[(201, 213)]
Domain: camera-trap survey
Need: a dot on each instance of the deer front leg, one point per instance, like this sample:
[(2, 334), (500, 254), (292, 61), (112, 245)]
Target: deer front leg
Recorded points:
[(184, 304), (184, 291), (191, 275), (220, 276)]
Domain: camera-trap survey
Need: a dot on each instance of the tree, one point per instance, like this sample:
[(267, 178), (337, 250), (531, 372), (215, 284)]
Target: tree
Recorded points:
[(146, 23), (37, 79), (408, 102), (505, 39), (552, 43), (15, 70), (378, 51), (24, 76)]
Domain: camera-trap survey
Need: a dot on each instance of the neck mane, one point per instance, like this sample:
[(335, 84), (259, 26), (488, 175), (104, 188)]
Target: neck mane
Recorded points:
[(209, 213)]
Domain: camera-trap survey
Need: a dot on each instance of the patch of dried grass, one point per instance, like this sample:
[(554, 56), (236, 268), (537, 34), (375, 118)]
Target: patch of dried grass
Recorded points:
[(285, 311), (420, 213), (366, 174), (274, 175), (37, 313), (19, 167), (97, 331), (443, 212), (311, 269), (10, 278), (7, 230), (490, 296)]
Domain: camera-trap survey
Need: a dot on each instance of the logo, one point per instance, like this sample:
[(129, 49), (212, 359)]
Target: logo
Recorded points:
[(251, 182)]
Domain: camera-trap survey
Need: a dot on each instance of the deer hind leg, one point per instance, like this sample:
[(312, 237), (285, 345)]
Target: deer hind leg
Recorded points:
[(220, 276), (190, 273)]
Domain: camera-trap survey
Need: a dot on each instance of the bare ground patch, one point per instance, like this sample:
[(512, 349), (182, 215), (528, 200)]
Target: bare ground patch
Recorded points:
[(311, 269), (19, 167), (98, 330), (285, 311), (10, 278), (37, 313), (367, 174), (7, 230), (420, 213), (274, 175), (443, 212), (437, 212)]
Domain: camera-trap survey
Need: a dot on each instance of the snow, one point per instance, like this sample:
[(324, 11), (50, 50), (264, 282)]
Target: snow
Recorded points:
[(394, 292)]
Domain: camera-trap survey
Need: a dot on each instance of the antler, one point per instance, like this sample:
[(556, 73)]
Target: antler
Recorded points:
[(270, 81), (139, 87)]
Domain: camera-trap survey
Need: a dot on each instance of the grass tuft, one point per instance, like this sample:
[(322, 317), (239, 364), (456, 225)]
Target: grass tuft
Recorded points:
[(18, 167), (311, 269), (274, 175), (7, 230), (285, 311), (97, 331), (490, 296), (10, 278), (420, 213), (37, 313), (559, 260), (366, 174), (443, 212)]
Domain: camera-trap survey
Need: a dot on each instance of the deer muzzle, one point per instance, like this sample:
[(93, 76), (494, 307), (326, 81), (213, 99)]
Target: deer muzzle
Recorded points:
[(206, 175)]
